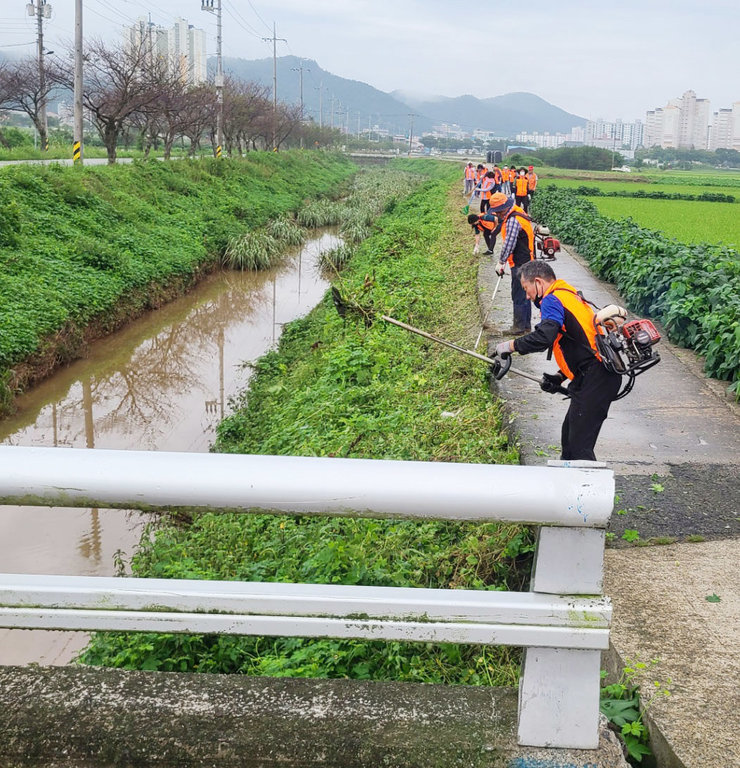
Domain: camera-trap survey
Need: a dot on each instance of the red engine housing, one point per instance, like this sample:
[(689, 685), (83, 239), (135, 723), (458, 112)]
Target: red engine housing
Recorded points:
[(630, 330)]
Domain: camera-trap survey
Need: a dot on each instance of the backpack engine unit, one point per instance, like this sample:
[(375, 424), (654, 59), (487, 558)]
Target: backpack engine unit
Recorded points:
[(626, 348), (546, 246)]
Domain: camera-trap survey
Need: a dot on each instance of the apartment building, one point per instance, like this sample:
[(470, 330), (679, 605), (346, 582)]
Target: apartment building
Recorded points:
[(682, 124), (725, 133), (182, 45)]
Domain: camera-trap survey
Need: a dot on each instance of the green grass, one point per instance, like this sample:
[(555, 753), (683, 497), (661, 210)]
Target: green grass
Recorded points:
[(340, 388), (646, 186), (689, 222), (74, 242), (646, 175)]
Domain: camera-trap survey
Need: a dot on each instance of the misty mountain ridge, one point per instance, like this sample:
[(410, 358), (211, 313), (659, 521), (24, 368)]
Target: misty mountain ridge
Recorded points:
[(504, 115)]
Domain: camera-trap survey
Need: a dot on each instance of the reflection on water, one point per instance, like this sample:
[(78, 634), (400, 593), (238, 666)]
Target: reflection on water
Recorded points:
[(161, 383)]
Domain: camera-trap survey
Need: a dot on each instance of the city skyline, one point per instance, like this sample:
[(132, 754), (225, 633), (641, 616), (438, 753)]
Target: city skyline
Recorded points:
[(607, 65)]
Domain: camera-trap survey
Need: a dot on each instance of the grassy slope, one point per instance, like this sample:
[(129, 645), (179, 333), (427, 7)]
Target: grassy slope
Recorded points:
[(74, 242), (342, 389)]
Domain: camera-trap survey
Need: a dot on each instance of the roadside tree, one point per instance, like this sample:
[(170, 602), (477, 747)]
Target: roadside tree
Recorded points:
[(23, 88)]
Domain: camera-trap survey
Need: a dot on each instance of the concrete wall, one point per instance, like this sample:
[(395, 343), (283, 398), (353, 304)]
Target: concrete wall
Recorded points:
[(89, 718)]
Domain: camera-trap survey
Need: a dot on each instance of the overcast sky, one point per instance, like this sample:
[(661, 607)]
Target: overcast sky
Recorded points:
[(595, 59)]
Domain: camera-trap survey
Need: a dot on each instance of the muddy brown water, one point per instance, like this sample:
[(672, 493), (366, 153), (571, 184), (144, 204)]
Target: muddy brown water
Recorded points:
[(161, 383)]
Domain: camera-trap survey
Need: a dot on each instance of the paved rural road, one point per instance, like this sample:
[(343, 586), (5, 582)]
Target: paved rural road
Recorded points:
[(674, 445)]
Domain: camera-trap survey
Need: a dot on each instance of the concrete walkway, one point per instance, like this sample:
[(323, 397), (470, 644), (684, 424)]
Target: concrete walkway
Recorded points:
[(674, 444)]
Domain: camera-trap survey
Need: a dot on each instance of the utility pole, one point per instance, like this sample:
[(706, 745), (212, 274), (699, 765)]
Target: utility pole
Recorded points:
[(300, 70), (332, 111), (78, 155), (274, 82), (411, 129), (41, 10), (321, 110), (208, 5)]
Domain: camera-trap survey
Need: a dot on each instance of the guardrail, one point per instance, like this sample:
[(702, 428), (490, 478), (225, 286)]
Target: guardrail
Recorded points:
[(563, 623)]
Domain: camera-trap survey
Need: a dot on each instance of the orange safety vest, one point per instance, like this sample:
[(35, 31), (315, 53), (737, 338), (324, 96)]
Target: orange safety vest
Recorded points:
[(526, 224), (521, 186), (486, 186), (497, 177), (531, 181), (486, 224), (469, 172), (584, 316)]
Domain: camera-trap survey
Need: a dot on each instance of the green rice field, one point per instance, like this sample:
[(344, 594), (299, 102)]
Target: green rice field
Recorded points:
[(647, 186), (689, 222)]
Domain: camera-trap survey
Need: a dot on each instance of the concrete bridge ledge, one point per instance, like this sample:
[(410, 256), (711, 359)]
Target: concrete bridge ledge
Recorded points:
[(76, 717)]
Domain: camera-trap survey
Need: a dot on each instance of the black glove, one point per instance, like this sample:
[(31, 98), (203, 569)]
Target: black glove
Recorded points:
[(551, 383)]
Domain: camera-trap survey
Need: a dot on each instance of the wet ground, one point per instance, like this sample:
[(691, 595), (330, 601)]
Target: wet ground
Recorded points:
[(161, 383)]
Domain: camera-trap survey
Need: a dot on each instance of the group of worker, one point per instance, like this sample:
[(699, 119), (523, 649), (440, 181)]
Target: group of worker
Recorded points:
[(566, 327), (483, 182)]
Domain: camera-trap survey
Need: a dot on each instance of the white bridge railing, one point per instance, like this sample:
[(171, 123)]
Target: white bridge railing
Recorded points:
[(563, 623)]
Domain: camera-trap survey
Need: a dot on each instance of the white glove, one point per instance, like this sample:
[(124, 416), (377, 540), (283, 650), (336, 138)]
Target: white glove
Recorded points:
[(503, 348), (476, 249)]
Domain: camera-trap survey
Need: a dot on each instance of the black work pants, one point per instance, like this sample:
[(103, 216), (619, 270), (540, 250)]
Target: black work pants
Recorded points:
[(592, 391), (523, 201), (522, 305), (490, 238)]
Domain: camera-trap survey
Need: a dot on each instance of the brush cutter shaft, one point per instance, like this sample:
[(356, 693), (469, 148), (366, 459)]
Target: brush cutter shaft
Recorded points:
[(485, 319), (452, 345)]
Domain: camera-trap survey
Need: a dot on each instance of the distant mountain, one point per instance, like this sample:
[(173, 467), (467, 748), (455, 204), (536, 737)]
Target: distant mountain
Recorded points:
[(505, 115), (380, 108)]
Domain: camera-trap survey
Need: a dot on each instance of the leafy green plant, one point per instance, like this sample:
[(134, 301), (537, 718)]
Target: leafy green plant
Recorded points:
[(630, 534), (625, 704)]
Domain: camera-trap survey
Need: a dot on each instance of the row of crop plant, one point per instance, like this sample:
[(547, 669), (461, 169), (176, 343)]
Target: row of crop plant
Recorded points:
[(693, 290), (356, 387)]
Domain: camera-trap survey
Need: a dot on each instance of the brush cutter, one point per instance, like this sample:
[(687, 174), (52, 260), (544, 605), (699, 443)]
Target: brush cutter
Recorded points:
[(500, 366)]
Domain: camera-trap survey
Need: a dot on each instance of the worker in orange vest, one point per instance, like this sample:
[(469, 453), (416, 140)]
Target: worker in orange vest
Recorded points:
[(567, 329), (497, 179), (486, 225), (486, 189), (521, 190), (531, 183), (505, 183), (480, 172), (517, 249), (469, 176)]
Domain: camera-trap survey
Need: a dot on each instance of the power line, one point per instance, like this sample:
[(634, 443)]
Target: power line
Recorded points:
[(244, 23), (258, 16)]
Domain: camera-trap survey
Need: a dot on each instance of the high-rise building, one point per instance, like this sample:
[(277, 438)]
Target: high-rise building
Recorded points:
[(726, 128), (182, 45), (681, 124)]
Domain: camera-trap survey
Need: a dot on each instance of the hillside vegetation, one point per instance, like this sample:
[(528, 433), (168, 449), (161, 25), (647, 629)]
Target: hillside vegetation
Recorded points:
[(83, 249)]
